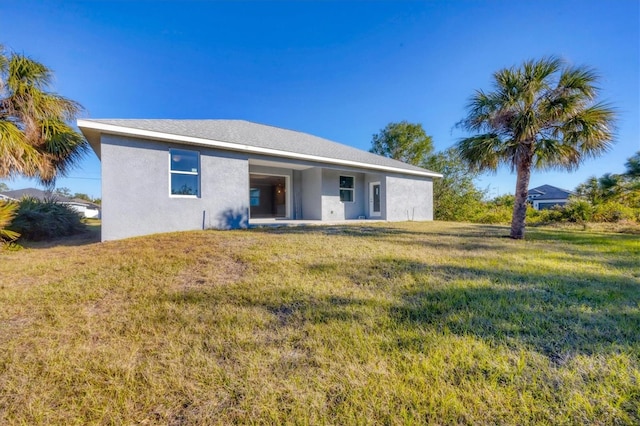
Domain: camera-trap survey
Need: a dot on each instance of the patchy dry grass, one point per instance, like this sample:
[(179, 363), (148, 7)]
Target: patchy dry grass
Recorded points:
[(386, 324)]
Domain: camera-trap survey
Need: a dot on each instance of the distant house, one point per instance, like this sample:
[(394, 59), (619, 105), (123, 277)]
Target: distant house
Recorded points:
[(85, 208), (178, 175), (547, 196)]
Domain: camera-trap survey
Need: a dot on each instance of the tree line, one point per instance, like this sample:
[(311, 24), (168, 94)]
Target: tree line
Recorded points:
[(609, 198)]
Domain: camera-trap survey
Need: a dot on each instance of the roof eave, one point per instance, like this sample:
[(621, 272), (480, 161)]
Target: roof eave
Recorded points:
[(92, 130)]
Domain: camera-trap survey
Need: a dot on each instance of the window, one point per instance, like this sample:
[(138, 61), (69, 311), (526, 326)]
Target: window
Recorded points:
[(346, 189), (254, 197), (185, 172)]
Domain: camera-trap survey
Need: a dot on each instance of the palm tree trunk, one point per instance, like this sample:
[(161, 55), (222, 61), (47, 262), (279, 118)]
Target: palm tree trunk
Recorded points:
[(520, 203)]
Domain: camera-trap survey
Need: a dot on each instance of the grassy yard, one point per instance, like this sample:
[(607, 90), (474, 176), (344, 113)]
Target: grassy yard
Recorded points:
[(415, 323)]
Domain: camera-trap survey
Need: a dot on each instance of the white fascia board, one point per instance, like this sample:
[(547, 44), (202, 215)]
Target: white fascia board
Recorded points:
[(149, 134)]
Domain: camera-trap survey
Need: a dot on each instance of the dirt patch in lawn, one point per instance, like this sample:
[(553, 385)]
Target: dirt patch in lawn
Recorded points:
[(213, 267)]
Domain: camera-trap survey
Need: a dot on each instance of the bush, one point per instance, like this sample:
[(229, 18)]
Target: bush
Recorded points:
[(494, 215), (546, 216), (42, 220), (612, 211), (579, 211)]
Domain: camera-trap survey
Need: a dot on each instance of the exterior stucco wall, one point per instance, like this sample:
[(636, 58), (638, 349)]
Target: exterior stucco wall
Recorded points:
[(135, 190), (311, 194), (332, 207), (407, 198), (296, 190)]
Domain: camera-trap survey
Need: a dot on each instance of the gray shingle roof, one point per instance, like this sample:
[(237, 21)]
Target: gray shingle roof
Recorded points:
[(39, 194), (549, 192), (18, 194), (247, 134)]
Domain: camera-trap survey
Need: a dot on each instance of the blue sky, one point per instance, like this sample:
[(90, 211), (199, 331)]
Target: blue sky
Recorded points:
[(339, 70)]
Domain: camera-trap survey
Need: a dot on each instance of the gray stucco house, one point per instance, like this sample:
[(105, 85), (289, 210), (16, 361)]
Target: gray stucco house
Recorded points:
[(175, 175), (547, 196)]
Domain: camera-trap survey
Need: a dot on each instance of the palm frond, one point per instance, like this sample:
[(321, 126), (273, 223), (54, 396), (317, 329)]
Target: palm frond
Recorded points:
[(540, 69), (16, 154), (552, 153), (25, 73), (482, 152), (535, 76), (579, 79), (7, 213), (64, 148), (36, 139), (589, 130)]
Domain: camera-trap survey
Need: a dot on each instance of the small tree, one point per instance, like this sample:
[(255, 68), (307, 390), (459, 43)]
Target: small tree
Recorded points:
[(539, 116), (64, 191), (82, 196), (455, 196), (403, 141)]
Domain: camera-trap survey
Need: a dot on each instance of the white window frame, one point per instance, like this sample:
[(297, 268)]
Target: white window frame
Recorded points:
[(353, 190), (180, 172)]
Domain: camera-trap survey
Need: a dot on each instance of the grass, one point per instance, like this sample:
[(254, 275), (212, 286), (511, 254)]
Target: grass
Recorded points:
[(414, 323)]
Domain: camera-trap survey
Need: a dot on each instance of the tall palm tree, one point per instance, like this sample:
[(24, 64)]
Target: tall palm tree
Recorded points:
[(35, 137), (542, 115)]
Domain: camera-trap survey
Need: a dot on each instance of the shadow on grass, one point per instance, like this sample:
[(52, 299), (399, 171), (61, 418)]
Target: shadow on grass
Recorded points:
[(557, 312), (289, 309), (315, 309), (90, 236), (582, 238), (377, 231), (558, 315), (618, 250)]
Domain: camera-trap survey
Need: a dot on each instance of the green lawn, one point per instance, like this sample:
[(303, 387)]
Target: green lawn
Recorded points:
[(413, 323)]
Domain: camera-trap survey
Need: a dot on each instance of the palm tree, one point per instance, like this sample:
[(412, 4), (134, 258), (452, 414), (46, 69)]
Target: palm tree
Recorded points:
[(35, 137), (633, 166), (542, 115)]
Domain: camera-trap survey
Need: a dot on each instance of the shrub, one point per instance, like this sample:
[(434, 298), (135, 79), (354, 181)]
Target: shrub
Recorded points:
[(613, 211), (41, 220), (579, 211), (7, 213), (500, 214), (546, 216)]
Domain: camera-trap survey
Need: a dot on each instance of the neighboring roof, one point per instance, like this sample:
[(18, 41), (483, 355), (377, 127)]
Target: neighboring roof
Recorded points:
[(39, 194), (548, 192), (245, 136), (18, 194)]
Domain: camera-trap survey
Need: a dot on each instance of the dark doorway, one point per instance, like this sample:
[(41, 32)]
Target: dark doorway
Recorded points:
[(267, 196)]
